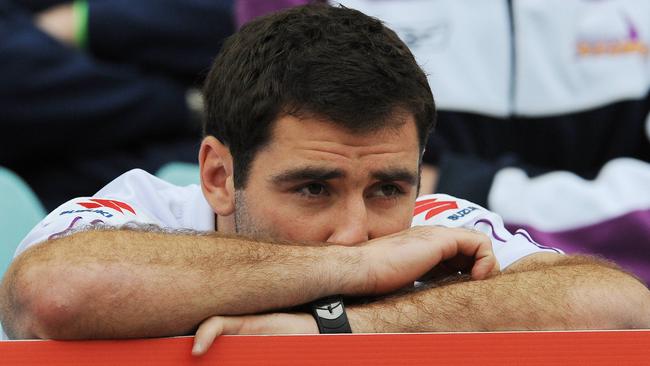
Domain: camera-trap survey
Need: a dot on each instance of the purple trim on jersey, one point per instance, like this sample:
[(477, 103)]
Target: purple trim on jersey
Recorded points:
[(74, 221), (624, 239), (72, 224), (525, 234), (494, 233), (632, 33)]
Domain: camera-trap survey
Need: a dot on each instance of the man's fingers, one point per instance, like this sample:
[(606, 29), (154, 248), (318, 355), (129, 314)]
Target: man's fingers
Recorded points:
[(478, 246), (399, 259), (205, 335), (484, 267)]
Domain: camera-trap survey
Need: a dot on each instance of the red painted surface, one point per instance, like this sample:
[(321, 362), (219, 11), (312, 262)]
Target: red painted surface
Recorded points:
[(457, 349)]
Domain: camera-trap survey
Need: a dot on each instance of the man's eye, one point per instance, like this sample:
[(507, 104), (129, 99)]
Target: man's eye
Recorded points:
[(390, 190), (313, 189)]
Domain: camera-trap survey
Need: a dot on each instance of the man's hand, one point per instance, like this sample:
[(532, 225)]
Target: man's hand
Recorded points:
[(391, 262), (277, 323), (58, 22), (387, 264)]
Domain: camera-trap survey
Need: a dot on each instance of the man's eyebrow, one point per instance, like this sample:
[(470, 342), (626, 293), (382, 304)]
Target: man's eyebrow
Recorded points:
[(307, 173), (396, 174)]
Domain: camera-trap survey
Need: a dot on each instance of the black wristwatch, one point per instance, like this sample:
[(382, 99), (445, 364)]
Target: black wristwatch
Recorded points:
[(330, 315)]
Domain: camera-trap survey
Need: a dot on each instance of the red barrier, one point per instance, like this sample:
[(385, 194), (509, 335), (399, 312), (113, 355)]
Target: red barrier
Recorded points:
[(457, 349)]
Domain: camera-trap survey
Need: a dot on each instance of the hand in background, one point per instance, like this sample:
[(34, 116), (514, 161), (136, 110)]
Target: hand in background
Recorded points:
[(58, 22)]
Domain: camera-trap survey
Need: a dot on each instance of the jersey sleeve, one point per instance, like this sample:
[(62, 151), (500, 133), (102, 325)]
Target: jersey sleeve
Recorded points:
[(448, 211), (128, 200)]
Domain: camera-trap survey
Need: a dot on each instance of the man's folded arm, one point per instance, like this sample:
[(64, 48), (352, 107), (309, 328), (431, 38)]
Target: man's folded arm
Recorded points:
[(543, 291), (120, 283), (130, 283), (540, 292)]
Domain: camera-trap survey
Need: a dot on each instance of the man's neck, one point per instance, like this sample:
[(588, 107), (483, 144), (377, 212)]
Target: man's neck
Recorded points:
[(224, 224)]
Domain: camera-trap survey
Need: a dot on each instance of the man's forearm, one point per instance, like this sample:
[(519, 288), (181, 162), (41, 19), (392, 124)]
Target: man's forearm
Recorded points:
[(582, 295), (118, 283), (126, 283)]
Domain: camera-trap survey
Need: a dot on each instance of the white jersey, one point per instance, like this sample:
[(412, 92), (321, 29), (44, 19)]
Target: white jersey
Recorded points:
[(139, 198), (448, 211), (136, 197)]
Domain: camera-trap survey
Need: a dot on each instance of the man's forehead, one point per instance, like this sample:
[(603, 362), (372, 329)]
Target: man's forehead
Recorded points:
[(316, 149), (352, 121), (401, 128)]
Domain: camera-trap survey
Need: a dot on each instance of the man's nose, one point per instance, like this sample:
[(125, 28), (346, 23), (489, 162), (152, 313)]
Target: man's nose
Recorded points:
[(350, 226)]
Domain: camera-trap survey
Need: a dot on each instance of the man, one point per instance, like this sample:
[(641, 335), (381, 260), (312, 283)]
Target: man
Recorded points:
[(317, 118)]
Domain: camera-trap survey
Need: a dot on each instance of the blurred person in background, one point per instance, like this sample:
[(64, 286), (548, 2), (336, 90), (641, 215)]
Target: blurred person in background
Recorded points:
[(92, 88), (543, 114)]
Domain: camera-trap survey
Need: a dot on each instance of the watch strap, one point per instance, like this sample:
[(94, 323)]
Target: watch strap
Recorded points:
[(330, 315)]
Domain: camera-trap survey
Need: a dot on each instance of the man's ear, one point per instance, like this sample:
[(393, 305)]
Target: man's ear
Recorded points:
[(215, 163)]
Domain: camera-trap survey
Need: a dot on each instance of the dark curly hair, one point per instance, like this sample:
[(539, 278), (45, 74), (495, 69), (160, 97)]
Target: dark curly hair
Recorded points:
[(319, 60)]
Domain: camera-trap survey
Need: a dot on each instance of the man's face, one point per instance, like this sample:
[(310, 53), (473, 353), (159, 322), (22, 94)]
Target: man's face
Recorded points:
[(316, 181)]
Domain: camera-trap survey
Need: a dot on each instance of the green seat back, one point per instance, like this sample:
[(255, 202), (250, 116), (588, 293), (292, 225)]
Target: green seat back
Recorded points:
[(20, 211), (180, 174)]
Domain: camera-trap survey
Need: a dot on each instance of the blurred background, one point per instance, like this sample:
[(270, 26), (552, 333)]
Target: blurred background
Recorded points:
[(543, 106)]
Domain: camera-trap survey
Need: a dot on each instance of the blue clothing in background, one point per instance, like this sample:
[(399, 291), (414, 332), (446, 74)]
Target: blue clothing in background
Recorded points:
[(72, 119)]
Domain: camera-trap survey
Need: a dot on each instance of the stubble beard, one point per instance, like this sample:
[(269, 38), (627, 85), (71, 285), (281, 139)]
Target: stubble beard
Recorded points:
[(244, 222)]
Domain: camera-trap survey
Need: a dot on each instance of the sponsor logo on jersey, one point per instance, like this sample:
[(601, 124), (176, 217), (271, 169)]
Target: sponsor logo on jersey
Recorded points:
[(115, 205), (433, 207), (630, 43), (99, 212), (462, 213)]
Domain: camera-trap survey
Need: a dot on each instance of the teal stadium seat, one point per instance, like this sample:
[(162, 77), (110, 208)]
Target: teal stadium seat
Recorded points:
[(180, 174), (20, 211)]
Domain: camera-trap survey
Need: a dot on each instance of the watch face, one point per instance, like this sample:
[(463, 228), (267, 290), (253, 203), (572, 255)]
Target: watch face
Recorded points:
[(330, 311)]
